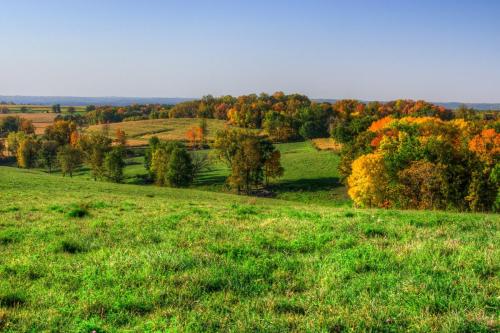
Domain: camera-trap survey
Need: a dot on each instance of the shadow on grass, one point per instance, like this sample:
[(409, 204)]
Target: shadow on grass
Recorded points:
[(210, 180), (309, 185)]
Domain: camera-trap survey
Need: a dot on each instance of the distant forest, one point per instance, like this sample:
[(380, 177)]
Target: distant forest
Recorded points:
[(124, 101)]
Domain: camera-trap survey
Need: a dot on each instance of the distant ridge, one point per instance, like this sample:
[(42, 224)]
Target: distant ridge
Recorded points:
[(123, 101)]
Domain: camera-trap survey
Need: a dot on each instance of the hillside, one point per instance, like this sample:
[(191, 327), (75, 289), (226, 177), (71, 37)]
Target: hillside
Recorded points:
[(139, 131), (81, 255)]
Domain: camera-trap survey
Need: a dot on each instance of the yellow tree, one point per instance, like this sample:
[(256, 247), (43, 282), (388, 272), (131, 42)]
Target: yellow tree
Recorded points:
[(368, 181)]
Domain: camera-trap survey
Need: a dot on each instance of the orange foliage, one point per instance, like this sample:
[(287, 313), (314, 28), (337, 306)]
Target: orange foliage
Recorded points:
[(486, 145), (380, 124), (121, 137), (73, 138), (195, 137)]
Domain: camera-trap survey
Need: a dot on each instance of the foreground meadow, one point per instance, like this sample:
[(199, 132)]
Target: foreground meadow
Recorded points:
[(78, 256)]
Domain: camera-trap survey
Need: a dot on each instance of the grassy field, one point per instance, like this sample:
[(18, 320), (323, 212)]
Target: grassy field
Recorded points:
[(80, 255), (311, 176), (138, 132), (40, 120)]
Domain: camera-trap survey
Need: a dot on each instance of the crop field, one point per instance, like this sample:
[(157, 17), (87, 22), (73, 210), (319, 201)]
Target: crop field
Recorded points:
[(82, 256), (40, 120), (29, 108), (139, 131)]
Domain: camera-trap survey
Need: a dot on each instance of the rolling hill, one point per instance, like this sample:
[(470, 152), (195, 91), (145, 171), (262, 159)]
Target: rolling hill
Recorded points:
[(86, 256)]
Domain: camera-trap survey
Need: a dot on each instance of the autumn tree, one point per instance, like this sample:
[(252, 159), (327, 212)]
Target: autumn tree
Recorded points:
[(272, 167), (424, 186), (120, 137), (61, 131), (13, 141), (368, 182), (27, 153)]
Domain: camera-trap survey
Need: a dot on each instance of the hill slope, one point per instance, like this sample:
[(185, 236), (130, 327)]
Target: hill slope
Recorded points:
[(81, 256)]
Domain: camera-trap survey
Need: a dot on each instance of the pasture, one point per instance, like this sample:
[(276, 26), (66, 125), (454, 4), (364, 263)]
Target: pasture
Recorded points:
[(82, 256)]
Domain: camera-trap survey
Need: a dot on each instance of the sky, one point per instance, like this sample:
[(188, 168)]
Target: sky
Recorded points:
[(370, 50)]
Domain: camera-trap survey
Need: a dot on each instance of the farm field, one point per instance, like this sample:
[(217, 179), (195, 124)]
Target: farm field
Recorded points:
[(30, 108), (81, 256), (40, 120), (139, 131)]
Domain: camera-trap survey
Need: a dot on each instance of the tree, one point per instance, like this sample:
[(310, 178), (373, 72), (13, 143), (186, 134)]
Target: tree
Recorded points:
[(148, 154), (13, 141), (9, 124), (272, 167), (15, 124), (48, 153), (114, 164), (249, 157), (120, 137), (246, 169), (60, 131), (2, 148), (71, 110), (56, 108), (195, 137), (180, 168), (69, 158), (159, 165), (27, 153), (94, 147), (368, 182), (424, 186)]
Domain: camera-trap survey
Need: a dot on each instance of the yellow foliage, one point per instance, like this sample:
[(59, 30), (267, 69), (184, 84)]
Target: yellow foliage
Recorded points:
[(368, 181)]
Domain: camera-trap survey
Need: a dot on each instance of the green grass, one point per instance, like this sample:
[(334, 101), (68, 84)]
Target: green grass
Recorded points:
[(310, 176), (153, 259)]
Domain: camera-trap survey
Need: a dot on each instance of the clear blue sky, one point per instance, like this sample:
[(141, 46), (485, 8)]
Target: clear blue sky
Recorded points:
[(436, 50)]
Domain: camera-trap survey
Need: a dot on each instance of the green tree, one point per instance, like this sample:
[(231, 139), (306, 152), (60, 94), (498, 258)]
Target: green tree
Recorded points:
[(114, 164), (180, 168), (94, 147), (48, 153), (56, 108), (69, 158)]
